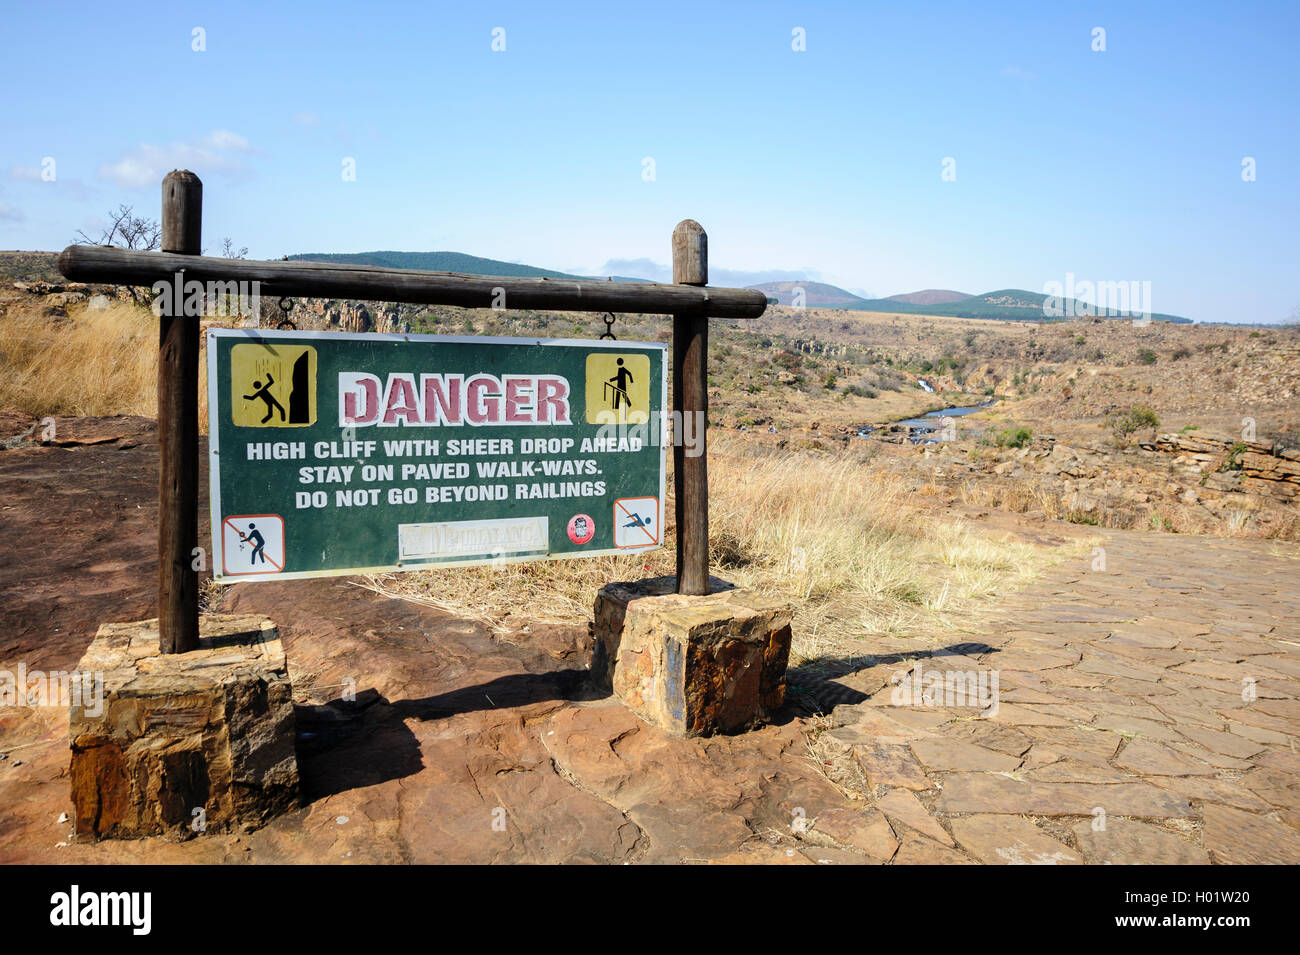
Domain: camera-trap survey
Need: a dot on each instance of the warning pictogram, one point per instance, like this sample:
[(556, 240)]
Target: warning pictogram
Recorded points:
[(252, 544), (272, 385), (618, 388), (636, 522)]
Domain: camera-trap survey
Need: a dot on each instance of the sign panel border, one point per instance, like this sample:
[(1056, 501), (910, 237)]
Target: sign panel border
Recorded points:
[(253, 335)]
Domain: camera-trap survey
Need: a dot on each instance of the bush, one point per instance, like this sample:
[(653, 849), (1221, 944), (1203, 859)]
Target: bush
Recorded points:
[(860, 391), (1232, 460), (1013, 438), (787, 360), (1147, 357), (1130, 422)]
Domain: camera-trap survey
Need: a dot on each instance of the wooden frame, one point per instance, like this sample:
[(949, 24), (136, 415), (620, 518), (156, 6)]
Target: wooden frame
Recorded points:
[(689, 300)]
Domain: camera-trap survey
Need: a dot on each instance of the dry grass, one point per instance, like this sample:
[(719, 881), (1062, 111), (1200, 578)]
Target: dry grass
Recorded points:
[(822, 530), (90, 363), (95, 363), (826, 531)]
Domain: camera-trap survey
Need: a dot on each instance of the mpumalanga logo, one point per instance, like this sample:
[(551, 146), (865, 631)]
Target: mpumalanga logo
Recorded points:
[(618, 388), (272, 386)]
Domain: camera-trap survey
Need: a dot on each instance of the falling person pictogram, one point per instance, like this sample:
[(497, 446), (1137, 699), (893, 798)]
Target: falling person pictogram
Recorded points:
[(264, 392)]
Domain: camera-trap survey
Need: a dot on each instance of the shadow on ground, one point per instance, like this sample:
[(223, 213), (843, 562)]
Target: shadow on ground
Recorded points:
[(349, 744), (814, 685)]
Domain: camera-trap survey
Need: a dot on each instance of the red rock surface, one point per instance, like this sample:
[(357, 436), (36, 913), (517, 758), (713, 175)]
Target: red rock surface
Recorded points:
[(1150, 711)]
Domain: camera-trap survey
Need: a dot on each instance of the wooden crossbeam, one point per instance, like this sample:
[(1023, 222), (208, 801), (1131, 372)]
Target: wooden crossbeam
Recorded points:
[(689, 300), (95, 263)]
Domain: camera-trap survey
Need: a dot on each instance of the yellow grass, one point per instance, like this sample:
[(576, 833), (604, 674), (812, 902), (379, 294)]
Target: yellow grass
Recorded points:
[(844, 542), (822, 530), (91, 363)]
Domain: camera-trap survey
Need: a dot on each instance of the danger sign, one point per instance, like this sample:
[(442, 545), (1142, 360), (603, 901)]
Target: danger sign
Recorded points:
[(337, 453)]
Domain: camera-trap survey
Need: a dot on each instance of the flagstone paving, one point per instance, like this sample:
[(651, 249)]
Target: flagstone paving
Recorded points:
[(1146, 712)]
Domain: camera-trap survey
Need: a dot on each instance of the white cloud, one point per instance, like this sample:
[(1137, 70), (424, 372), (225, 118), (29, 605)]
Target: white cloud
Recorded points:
[(1017, 73), (147, 164), (25, 173), (10, 213), (306, 119), (225, 139)]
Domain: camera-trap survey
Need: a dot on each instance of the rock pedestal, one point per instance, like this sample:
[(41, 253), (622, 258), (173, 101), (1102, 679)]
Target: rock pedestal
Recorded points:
[(692, 666), (177, 744)]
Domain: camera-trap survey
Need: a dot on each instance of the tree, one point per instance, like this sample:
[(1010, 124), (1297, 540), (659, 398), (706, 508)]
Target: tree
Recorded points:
[(127, 231), (229, 251)]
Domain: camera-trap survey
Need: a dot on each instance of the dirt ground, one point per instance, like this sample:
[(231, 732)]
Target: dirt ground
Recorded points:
[(1121, 688)]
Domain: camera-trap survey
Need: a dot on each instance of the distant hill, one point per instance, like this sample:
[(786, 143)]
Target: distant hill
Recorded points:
[(931, 296), (1008, 304), (816, 294), (30, 266), (443, 262), (1004, 304)]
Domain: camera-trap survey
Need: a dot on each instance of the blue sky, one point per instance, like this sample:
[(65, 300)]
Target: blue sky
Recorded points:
[(1115, 165)]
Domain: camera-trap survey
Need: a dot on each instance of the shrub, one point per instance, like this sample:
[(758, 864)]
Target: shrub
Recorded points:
[(1147, 357), (860, 391), (1013, 438), (1130, 422), (1232, 460)]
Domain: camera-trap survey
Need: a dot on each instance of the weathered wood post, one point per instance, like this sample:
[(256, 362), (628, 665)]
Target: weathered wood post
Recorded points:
[(178, 428), (691, 401)]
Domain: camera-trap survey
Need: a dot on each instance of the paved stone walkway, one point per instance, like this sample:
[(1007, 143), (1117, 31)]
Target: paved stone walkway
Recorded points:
[(1147, 709)]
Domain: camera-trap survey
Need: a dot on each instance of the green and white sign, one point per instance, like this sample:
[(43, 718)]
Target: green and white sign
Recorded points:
[(339, 454)]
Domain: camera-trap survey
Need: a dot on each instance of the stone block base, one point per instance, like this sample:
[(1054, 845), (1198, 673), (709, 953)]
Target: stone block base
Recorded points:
[(692, 666), (182, 743)]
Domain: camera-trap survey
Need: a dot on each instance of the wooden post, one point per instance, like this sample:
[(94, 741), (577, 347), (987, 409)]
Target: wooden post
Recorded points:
[(691, 400), (178, 429)]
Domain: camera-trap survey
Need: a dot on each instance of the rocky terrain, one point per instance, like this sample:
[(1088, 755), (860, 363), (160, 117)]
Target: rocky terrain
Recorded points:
[(1142, 714)]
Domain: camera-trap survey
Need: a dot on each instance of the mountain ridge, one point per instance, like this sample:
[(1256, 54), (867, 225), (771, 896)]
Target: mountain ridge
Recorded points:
[(1016, 305), (444, 261), (1000, 304)]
